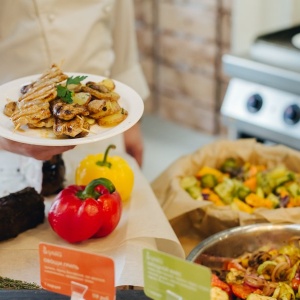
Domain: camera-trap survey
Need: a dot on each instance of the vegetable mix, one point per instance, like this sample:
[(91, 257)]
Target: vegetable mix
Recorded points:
[(244, 186), (268, 273)]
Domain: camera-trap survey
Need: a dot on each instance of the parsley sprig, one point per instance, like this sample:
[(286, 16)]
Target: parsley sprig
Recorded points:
[(64, 93)]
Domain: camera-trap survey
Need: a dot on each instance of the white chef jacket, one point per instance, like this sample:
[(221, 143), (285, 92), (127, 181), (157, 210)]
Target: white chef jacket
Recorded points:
[(88, 36)]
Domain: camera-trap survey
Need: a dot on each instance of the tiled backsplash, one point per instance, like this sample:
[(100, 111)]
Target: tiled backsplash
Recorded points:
[(181, 44)]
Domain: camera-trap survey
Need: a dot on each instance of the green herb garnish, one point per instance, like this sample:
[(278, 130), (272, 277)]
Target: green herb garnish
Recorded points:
[(64, 93), (12, 284)]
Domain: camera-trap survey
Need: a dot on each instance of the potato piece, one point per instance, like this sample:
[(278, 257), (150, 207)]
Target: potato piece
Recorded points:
[(91, 121), (10, 108), (111, 96), (82, 98), (74, 87), (114, 119), (108, 83), (102, 108)]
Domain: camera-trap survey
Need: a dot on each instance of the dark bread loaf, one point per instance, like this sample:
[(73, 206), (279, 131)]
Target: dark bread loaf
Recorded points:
[(20, 211)]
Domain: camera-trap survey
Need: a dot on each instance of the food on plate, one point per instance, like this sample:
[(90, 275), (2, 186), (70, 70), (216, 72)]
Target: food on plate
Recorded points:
[(66, 104), (267, 273), (82, 212), (244, 186), (114, 168), (10, 108), (20, 211)]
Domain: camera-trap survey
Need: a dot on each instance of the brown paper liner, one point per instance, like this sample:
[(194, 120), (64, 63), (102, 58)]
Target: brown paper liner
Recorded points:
[(189, 216)]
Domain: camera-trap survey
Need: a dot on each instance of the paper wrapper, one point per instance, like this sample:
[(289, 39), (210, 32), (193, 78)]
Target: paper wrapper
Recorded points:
[(142, 225), (18, 172), (205, 218)]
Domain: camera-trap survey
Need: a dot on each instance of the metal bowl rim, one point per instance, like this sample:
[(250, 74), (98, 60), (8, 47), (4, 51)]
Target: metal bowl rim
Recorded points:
[(235, 231)]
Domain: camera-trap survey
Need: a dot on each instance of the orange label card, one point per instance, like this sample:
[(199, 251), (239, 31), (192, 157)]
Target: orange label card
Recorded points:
[(78, 274)]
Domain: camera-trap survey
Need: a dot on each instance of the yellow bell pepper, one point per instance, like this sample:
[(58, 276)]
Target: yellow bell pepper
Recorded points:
[(209, 170), (114, 168), (256, 201), (213, 197), (239, 205)]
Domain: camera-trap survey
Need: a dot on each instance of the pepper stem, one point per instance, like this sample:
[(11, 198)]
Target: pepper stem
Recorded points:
[(89, 191), (104, 162)]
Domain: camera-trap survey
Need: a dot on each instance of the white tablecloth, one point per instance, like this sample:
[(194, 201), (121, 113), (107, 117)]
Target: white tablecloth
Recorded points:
[(143, 225)]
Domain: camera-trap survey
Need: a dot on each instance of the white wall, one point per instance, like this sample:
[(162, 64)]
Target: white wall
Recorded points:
[(251, 18)]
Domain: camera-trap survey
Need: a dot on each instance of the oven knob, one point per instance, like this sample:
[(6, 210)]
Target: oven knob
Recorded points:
[(254, 103), (291, 114)]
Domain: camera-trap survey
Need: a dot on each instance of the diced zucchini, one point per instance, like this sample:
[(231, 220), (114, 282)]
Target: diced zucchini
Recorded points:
[(294, 189), (260, 192), (194, 191), (265, 183), (289, 176), (275, 200), (188, 181), (225, 190)]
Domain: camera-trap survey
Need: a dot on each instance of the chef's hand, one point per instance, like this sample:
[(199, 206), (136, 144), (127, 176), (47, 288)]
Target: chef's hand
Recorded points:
[(37, 152), (134, 145)]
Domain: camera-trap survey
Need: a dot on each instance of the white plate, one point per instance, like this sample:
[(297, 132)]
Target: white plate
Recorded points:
[(129, 100)]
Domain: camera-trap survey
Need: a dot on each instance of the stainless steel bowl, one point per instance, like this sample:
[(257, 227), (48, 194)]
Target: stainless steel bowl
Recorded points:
[(234, 242)]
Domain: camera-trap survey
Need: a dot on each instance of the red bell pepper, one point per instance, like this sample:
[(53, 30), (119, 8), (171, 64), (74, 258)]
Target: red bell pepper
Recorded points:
[(295, 282), (81, 212), (242, 291), (216, 281)]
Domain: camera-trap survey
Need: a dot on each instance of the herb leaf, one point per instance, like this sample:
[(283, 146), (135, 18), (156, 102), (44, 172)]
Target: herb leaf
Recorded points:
[(75, 80), (64, 93)]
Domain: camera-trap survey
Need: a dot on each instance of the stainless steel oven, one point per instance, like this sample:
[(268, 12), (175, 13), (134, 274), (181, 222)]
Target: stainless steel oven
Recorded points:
[(262, 100)]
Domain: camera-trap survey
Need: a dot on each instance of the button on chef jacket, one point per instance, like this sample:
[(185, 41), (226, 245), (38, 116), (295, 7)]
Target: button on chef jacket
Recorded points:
[(88, 36)]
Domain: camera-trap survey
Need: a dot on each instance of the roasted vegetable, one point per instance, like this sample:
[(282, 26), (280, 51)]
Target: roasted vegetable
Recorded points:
[(191, 185), (245, 186), (239, 205), (231, 166), (217, 293), (265, 274), (113, 119), (259, 297), (226, 190), (208, 181)]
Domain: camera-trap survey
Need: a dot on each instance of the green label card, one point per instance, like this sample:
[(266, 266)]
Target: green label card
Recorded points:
[(168, 277)]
